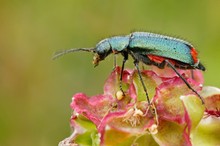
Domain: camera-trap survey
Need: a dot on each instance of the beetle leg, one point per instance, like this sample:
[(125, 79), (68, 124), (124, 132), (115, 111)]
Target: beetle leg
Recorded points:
[(141, 79), (122, 69), (142, 66), (184, 80), (114, 62), (161, 65)]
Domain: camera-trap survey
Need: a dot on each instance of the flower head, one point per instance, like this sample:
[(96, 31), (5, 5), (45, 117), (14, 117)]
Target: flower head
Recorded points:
[(125, 118)]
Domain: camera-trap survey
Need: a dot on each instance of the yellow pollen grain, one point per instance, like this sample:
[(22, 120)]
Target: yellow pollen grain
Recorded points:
[(119, 95)]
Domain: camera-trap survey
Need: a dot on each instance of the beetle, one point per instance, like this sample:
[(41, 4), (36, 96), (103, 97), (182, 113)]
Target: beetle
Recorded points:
[(149, 48)]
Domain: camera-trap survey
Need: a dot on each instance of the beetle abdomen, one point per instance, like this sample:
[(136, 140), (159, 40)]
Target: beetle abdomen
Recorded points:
[(164, 46)]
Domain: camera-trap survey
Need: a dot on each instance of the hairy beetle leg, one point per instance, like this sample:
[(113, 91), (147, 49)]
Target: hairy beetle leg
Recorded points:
[(114, 62), (142, 82), (122, 70), (184, 80)]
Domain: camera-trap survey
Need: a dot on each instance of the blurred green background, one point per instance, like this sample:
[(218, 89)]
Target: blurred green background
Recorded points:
[(35, 92)]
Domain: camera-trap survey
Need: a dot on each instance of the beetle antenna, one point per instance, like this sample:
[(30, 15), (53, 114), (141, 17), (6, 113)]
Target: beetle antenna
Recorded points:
[(61, 53)]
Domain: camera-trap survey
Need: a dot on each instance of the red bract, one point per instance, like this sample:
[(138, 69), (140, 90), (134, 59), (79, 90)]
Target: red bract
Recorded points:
[(207, 131), (212, 100), (109, 120)]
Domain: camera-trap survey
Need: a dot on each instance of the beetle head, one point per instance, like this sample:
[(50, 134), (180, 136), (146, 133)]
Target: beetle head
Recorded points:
[(102, 50)]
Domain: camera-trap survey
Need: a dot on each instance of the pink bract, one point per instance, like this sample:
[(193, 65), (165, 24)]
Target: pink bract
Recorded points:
[(175, 111)]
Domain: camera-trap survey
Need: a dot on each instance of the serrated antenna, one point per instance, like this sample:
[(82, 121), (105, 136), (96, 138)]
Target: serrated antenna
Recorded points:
[(61, 53)]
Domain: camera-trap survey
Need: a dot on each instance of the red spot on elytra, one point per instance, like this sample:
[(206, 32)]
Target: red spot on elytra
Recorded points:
[(194, 54)]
